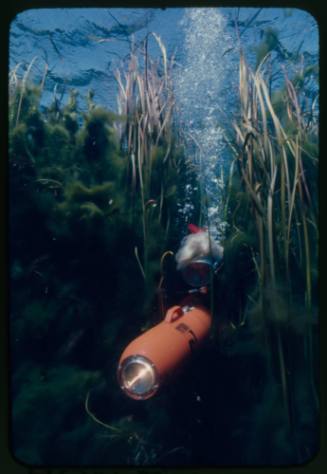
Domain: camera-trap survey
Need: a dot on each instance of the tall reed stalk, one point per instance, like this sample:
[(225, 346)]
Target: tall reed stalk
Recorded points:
[(146, 100), (272, 161)]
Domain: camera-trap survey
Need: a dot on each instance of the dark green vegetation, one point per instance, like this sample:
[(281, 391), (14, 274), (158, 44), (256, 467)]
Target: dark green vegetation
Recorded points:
[(92, 210), (272, 210)]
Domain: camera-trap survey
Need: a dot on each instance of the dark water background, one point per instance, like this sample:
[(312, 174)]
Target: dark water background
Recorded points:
[(217, 412)]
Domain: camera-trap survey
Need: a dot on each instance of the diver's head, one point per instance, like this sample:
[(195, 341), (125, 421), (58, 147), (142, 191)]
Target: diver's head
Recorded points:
[(198, 256)]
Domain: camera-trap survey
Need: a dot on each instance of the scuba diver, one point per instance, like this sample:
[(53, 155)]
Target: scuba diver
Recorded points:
[(155, 355), (197, 256), (198, 260)]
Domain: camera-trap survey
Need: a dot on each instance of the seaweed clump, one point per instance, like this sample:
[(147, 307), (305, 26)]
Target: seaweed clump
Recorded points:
[(87, 231)]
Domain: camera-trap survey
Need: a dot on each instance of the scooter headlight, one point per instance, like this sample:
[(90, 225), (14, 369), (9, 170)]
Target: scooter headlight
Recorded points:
[(137, 377)]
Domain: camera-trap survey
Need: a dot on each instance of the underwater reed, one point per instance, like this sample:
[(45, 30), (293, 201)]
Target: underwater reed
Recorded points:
[(146, 101), (270, 161), (275, 151)]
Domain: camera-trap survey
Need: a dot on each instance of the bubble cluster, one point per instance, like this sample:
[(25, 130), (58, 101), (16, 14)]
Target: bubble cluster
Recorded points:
[(203, 93)]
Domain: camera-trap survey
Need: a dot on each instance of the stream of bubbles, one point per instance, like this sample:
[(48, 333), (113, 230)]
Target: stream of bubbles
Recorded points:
[(204, 98)]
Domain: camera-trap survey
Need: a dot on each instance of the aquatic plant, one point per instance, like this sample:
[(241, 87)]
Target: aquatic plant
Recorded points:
[(146, 101), (83, 276), (272, 197)]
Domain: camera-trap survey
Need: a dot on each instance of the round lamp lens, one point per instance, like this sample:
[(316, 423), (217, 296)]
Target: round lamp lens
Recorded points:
[(138, 377)]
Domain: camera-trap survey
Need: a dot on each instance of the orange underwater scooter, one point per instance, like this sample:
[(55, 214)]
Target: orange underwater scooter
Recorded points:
[(150, 359)]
